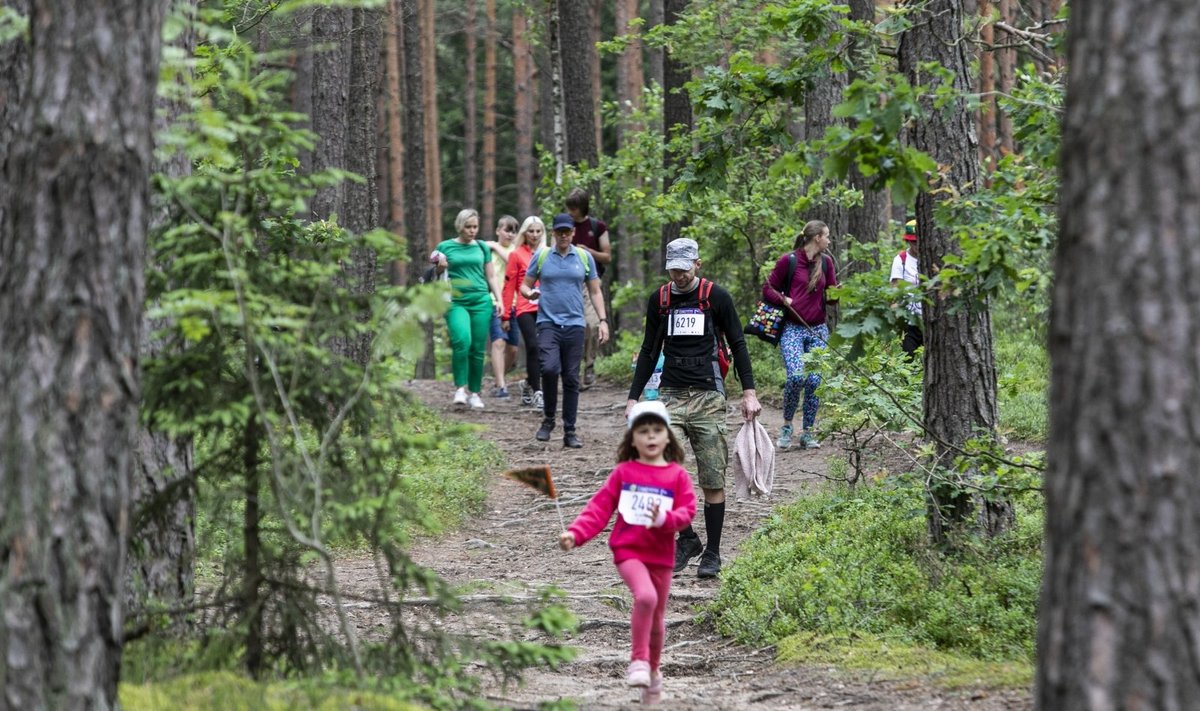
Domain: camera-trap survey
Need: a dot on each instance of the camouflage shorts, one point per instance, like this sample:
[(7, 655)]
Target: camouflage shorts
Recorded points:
[(698, 418)]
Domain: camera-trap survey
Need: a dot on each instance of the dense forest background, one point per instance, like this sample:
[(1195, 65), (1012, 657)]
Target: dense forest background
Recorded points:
[(214, 219)]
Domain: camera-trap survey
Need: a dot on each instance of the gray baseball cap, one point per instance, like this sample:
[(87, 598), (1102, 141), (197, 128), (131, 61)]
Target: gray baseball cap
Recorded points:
[(682, 253)]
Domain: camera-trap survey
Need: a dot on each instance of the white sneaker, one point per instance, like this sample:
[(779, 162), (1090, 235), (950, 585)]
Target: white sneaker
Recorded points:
[(460, 398), (538, 400), (475, 401)]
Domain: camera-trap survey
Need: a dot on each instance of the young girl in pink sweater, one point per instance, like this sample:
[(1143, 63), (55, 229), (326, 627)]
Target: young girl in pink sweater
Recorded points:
[(654, 497)]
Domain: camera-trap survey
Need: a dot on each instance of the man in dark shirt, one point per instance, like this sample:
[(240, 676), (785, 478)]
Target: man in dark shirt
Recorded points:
[(591, 235), (693, 388)]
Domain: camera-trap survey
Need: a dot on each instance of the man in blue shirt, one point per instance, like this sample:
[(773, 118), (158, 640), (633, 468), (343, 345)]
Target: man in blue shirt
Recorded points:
[(562, 271)]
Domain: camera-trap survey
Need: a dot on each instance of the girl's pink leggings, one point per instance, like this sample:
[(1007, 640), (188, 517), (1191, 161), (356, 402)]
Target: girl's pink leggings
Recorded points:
[(650, 586)]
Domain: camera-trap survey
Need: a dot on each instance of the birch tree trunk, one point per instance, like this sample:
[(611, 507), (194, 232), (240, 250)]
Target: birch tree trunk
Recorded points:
[(1120, 607), (72, 241)]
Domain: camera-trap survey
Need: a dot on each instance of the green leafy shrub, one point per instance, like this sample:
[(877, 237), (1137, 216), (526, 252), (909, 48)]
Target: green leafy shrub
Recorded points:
[(858, 562), (224, 691)]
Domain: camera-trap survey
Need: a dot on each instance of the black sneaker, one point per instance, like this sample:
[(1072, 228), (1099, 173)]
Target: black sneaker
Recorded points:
[(685, 550), (570, 439), (543, 433), (710, 565)]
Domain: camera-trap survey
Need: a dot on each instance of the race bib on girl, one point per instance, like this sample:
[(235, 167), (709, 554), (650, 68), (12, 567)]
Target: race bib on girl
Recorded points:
[(686, 322), (637, 501)]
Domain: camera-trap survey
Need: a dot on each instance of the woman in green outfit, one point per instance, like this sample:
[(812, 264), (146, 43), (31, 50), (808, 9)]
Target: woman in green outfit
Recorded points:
[(469, 318)]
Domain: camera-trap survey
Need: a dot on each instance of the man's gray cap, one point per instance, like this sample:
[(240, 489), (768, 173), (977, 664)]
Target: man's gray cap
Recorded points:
[(682, 253)]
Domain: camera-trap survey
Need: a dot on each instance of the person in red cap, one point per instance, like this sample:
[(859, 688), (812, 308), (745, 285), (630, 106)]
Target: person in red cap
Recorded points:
[(904, 269)]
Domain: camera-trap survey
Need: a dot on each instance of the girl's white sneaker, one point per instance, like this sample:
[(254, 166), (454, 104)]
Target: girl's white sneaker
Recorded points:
[(475, 401), (638, 674), (460, 398)]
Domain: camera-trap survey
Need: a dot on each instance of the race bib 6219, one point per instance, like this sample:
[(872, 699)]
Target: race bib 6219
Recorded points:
[(686, 322)]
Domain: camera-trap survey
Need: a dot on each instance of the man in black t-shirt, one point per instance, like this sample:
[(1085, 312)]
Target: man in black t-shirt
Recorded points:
[(693, 388)]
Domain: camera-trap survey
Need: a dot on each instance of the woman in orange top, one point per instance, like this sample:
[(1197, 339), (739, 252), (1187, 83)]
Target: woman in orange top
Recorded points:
[(530, 238)]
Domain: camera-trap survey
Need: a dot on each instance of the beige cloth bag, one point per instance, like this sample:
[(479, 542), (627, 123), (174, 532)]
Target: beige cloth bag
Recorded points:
[(753, 461)]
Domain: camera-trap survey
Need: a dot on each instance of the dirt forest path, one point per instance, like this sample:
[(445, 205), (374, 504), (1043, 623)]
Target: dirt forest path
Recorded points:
[(510, 549)]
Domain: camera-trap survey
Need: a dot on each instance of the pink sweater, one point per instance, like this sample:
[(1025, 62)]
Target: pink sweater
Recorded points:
[(640, 485)]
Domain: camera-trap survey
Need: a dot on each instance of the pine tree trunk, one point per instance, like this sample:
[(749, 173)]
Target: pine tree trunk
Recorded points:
[(394, 76), (595, 12), (865, 222), (433, 154), (677, 120), (362, 198), (987, 90), (824, 94), (1120, 607), (73, 241), (657, 55), (579, 104), (331, 97), (960, 371), (470, 112), (558, 125), (630, 250), (523, 103), (415, 213), (1007, 59), (487, 211)]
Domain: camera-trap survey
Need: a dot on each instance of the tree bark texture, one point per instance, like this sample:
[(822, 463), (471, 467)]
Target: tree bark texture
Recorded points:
[(579, 104), (432, 154), (677, 119), (416, 215), (657, 55), (960, 371), (1006, 58), (72, 245), (487, 210), (470, 109), (558, 123), (163, 503), (394, 78), (595, 13), (14, 57), (866, 222), (824, 94), (630, 250), (523, 94), (362, 199), (987, 90), (331, 97), (1120, 605), (631, 79)]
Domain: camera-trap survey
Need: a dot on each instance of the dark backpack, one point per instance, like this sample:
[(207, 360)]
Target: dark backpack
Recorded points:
[(724, 355)]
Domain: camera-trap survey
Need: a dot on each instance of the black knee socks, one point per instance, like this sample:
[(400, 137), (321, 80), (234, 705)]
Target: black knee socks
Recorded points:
[(714, 521)]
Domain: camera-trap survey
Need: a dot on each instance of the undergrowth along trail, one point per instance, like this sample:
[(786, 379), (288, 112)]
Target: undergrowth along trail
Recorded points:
[(509, 552)]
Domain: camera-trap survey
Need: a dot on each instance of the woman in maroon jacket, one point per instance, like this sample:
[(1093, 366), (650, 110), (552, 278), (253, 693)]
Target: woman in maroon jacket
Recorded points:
[(800, 290)]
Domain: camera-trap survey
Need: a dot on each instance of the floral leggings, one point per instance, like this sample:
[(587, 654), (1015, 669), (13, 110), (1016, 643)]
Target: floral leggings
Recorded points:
[(796, 341)]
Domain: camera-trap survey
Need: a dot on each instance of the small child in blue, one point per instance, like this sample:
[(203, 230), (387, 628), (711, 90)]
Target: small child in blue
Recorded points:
[(650, 392)]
